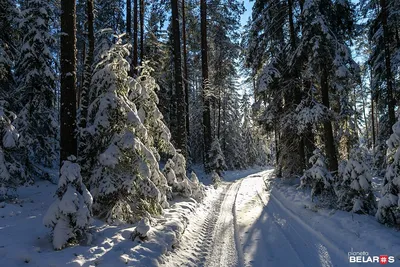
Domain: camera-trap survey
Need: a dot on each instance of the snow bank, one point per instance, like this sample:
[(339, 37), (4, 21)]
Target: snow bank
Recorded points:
[(25, 241), (345, 230)]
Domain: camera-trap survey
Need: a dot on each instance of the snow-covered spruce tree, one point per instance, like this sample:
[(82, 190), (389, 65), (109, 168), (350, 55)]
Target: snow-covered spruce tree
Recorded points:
[(354, 189), (146, 100), (216, 158), (11, 171), (318, 177), (125, 179), (8, 37), (70, 214), (389, 203), (35, 78), (158, 136), (231, 136)]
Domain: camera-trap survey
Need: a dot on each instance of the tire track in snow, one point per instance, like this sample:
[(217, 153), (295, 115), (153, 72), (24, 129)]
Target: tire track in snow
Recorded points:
[(197, 241), (214, 240), (225, 248)]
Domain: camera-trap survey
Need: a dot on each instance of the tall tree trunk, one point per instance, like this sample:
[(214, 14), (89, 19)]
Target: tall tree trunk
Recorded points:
[(219, 112), (181, 136), (277, 152), (81, 79), (185, 68), (204, 71), (298, 92), (135, 37), (373, 123), (68, 142), (328, 131), (142, 31), (128, 18), (309, 143), (389, 78)]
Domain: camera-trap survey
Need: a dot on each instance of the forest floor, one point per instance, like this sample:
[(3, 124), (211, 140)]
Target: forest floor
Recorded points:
[(251, 219)]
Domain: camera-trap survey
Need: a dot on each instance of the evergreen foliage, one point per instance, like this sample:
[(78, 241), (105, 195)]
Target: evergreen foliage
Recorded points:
[(389, 203), (37, 120), (354, 190)]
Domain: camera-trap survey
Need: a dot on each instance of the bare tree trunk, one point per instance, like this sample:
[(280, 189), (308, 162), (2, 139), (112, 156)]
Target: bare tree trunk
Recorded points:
[(135, 37), (328, 131), (204, 70), (128, 18), (68, 142), (81, 79), (141, 31), (185, 68), (219, 112), (389, 78), (181, 136)]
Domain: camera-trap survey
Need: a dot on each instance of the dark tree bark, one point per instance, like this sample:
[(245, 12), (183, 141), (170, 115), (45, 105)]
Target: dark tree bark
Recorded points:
[(141, 31), (204, 70), (328, 131), (181, 136), (185, 68), (389, 77), (298, 94), (128, 18), (68, 142), (135, 37)]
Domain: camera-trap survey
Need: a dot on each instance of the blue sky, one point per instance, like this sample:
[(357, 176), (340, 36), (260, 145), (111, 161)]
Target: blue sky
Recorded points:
[(248, 5)]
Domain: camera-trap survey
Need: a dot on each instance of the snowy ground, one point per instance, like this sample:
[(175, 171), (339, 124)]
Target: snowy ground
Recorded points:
[(252, 219), (261, 221)]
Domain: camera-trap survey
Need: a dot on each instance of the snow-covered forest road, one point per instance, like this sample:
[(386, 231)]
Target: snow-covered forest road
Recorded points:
[(250, 226)]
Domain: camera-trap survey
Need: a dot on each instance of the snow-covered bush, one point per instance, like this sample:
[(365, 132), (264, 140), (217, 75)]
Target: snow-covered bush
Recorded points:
[(11, 171), (389, 203), (125, 178), (70, 214), (216, 158), (318, 177), (354, 189), (175, 172)]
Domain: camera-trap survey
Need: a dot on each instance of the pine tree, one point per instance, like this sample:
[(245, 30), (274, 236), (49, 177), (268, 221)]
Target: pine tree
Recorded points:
[(68, 141), (181, 131), (205, 81), (36, 80)]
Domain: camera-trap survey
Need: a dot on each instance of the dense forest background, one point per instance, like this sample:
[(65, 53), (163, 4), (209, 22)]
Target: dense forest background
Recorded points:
[(105, 90)]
